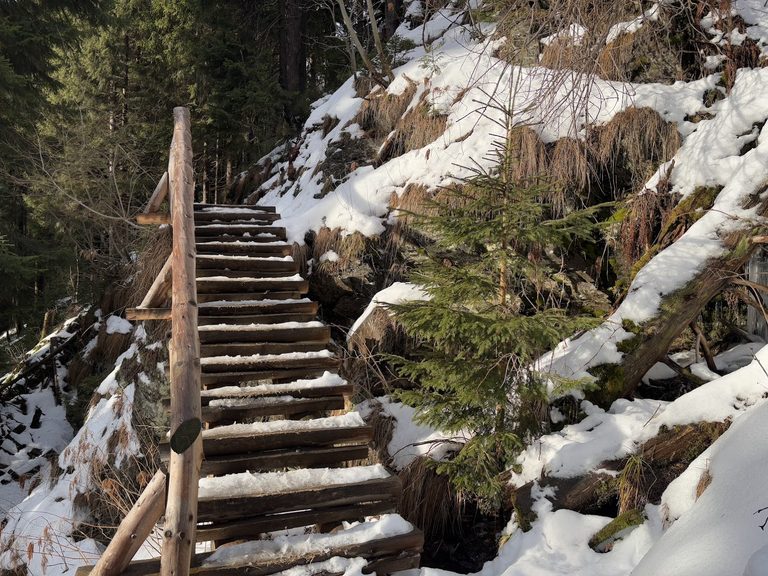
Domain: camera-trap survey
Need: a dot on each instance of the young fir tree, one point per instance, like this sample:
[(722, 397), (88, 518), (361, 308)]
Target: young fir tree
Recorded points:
[(496, 306)]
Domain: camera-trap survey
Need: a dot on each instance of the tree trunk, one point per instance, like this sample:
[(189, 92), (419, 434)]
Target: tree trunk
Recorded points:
[(677, 311), (293, 54), (392, 12)]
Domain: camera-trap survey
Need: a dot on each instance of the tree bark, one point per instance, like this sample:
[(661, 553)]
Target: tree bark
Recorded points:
[(293, 53), (392, 11)]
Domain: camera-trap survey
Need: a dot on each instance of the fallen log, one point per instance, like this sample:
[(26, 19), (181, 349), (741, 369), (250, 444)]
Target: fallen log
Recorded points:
[(668, 455)]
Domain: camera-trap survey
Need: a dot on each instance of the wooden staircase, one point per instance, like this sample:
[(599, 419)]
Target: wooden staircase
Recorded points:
[(279, 453)]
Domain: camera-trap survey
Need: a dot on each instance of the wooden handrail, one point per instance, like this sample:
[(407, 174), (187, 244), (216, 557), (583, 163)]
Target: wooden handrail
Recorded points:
[(186, 457), (158, 195)]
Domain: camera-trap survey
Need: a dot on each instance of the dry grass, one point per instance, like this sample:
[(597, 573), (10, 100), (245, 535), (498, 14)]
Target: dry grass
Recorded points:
[(349, 248), (635, 482), (300, 253), (704, 481), (381, 111), (429, 501), (647, 214), (149, 264), (383, 428)]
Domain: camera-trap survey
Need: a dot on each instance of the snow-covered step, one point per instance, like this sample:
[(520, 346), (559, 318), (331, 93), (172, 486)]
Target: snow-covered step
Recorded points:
[(256, 362), (240, 296), (248, 504), (238, 216), (252, 247), (245, 208), (290, 435), (247, 348), (387, 545), (253, 307), (245, 231), (246, 262), (223, 284), (268, 397), (284, 332), (259, 318)]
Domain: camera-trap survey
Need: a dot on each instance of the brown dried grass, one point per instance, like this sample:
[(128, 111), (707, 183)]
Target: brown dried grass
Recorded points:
[(350, 249), (383, 428), (647, 214), (149, 264), (638, 137), (704, 481), (428, 501), (381, 111)]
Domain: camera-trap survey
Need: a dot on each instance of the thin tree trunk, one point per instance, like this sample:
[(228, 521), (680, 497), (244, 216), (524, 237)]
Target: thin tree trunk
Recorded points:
[(353, 35), (377, 39)]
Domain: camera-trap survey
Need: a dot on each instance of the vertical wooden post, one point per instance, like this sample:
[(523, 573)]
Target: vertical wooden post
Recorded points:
[(184, 468)]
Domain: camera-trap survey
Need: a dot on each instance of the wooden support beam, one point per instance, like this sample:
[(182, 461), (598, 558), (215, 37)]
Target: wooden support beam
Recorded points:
[(158, 292), (153, 218), (135, 314), (134, 529), (179, 532), (158, 195)]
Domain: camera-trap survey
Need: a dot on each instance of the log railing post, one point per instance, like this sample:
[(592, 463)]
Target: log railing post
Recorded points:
[(186, 456)]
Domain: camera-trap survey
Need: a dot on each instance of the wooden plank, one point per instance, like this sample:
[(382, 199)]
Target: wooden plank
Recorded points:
[(218, 379), (256, 410), (324, 456), (224, 238), (256, 217), (243, 264), (249, 232), (215, 444), (258, 295), (406, 560), (252, 527), (259, 364), (138, 314), (153, 218), (158, 195), (379, 548), (209, 272), (254, 207), (134, 529), (249, 249), (258, 319), (208, 286), (226, 508), (158, 292), (253, 309), (300, 334), (243, 393), (184, 470), (248, 348)]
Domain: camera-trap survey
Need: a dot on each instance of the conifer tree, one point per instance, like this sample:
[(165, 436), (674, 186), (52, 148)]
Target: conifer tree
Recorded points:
[(495, 307)]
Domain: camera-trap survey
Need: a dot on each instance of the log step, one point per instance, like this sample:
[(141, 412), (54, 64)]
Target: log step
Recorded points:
[(254, 307), (222, 284), (244, 231), (253, 248), (234, 274), (246, 494), (390, 544), (256, 362), (246, 217), (280, 435), (218, 379), (248, 348), (261, 264), (326, 385), (249, 408), (288, 332), (199, 206), (241, 296), (258, 318), (323, 456)]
